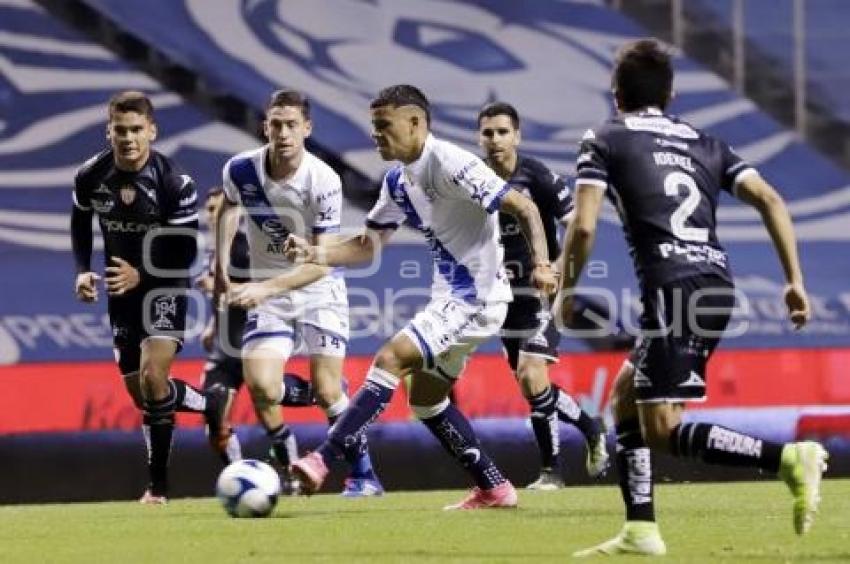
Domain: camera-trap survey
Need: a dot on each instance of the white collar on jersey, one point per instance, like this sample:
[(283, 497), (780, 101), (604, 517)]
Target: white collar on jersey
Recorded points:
[(297, 181), (416, 166)]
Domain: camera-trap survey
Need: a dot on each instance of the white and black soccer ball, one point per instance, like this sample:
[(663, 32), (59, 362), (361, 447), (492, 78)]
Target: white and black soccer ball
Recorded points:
[(248, 488)]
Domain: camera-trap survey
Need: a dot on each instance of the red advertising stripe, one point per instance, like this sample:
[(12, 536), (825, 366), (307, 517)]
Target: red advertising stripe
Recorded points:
[(90, 396)]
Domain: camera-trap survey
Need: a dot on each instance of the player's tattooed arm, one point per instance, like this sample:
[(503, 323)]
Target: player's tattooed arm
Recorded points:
[(558, 264), (528, 216)]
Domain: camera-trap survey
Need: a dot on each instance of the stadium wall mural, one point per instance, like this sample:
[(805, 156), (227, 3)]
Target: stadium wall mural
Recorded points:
[(551, 61)]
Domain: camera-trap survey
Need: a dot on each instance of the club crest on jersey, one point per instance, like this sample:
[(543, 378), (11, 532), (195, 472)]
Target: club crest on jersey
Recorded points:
[(127, 194), (101, 200)]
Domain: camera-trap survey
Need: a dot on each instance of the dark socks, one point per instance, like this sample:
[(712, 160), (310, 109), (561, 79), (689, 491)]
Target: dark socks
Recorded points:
[(360, 461), (297, 392), (455, 433), (718, 445), (544, 423), (570, 412), (187, 397), (634, 469), (347, 437), (158, 418), (284, 445)]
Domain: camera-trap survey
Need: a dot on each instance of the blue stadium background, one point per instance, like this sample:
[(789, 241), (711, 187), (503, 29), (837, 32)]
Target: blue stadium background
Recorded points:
[(550, 59)]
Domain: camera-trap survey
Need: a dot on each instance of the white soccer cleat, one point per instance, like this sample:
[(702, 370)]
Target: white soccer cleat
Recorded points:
[(640, 538), (547, 481), (801, 469), (597, 456), (148, 498)]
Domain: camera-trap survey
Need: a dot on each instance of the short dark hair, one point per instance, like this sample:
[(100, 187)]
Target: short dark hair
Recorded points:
[(131, 101), (494, 109), (643, 75), (283, 98), (215, 191), (403, 95)]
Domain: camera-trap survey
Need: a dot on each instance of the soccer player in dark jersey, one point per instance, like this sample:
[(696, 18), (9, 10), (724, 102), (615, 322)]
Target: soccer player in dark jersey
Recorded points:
[(140, 198), (223, 335), (665, 177), (529, 336)]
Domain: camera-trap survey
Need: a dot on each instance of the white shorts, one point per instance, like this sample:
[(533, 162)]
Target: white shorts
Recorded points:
[(310, 321), (449, 330)]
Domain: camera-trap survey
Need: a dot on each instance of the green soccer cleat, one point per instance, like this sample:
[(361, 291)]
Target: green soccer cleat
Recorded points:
[(801, 467), (640, 538)]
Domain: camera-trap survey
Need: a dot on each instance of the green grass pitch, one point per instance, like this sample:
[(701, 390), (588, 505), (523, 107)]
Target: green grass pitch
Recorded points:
[(731, 522)]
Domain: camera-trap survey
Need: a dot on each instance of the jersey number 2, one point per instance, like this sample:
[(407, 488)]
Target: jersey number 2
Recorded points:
[(672, 183)]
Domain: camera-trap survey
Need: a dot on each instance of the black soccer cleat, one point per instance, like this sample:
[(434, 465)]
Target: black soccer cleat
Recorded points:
[(218, 431)]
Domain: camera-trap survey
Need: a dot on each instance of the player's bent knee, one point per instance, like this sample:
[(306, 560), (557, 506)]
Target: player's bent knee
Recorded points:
[(623, 394), (263, 396), (533, 377), (657, 438), (423, 412), (657, 424), (388, 360), (327, 395)]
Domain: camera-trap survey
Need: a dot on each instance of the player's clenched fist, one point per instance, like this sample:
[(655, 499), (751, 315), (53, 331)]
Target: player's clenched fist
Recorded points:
[(85, 287), (544, 278), (797, 303), (298, 250)]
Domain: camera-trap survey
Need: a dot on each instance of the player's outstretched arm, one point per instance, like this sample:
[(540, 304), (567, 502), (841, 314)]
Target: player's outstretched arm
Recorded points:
[(755, 191), (252, 294), (344, 252), (528, 216)]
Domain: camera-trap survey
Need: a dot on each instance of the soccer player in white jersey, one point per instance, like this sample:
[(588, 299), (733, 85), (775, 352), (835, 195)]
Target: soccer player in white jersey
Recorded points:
[(452, 197), (282, 188)]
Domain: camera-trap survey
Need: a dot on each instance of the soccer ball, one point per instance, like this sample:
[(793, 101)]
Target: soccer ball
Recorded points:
[(248, 488)]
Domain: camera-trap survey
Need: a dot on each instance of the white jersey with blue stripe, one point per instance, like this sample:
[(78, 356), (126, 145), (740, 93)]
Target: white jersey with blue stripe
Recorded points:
[(307, 203), (452, 197)]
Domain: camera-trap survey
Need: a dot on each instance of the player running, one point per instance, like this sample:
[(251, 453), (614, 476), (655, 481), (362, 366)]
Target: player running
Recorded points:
[(140, 194), (529, 337), (282, 188), (664, 177), (452, 197), (222, 338)]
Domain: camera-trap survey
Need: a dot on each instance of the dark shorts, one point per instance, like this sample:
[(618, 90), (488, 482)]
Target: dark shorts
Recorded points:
[(160, 312), (529, 328), (222, 367), (670, 363)]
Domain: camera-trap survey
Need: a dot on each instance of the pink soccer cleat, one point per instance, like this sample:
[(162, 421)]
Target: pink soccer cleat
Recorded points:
[(503, 495), (311, 470)]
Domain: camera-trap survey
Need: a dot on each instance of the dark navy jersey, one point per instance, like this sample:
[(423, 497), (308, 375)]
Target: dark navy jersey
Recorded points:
[(664, 177), (553, 199), (240, 260), (130, 204)]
